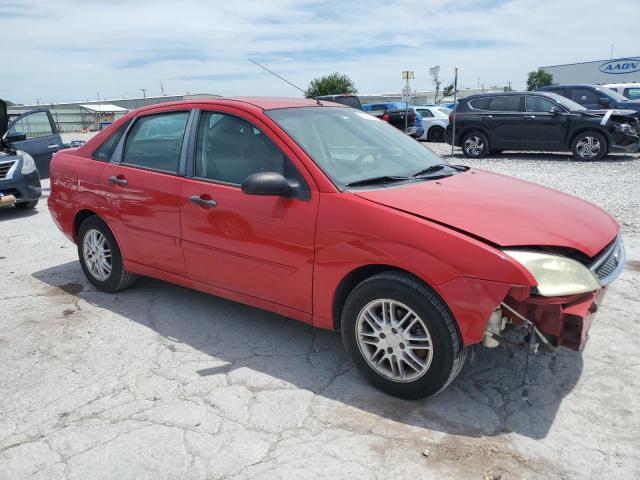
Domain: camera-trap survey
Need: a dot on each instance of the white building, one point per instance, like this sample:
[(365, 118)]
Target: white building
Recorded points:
[(599, 72)]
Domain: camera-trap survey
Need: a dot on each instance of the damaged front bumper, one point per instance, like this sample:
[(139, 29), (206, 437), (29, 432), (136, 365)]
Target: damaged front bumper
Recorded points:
[(559, 321)]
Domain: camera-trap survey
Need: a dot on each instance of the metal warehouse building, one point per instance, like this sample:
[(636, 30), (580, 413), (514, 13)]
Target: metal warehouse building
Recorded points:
[(599, 72), (81, 116)]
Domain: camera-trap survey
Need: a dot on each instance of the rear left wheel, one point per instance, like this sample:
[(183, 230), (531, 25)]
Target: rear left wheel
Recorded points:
[(475, 145), (100, 257), (401, 337)]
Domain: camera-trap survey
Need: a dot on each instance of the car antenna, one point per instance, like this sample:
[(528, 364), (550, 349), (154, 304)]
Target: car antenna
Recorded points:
[(282, 78)]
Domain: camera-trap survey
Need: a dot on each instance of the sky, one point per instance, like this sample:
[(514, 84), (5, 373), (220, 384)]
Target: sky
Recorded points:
[(76, 50)]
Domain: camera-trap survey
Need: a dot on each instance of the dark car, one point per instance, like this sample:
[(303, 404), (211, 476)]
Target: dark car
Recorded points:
[(490, 123), (343, 99), (594, 96), (395, 113), (26, 147)]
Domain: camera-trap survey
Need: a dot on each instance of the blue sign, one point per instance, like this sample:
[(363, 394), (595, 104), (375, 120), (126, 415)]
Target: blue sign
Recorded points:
[(621, 66)]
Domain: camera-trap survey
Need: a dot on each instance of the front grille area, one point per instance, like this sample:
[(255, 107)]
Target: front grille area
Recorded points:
[(608, 265), (5, 167)]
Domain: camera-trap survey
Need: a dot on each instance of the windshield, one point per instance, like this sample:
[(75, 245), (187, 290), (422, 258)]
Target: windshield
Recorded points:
[(566, 103), (350, 146)]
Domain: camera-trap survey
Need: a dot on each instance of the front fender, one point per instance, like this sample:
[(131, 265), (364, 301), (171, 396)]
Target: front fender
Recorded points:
[(349, 236)]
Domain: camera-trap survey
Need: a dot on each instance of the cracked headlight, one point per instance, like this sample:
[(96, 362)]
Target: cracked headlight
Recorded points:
[(556, 275), (28, 165)]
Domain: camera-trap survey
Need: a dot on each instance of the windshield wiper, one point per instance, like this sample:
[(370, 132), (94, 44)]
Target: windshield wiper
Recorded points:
[(376, 180), (429, 170)]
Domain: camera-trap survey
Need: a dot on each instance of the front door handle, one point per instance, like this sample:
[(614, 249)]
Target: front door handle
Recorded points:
[(120, 180), (53, 145), (487, 116), (529, 117), (205, 202)]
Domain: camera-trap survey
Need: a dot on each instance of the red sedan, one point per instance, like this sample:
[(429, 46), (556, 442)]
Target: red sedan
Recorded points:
[(327, 215)]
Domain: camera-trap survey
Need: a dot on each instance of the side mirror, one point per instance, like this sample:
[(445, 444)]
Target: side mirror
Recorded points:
[(12, 137), (605, 102), (554, 110), (267, 183)]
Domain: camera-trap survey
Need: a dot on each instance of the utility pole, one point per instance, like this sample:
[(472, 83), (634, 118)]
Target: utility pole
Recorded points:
[(144, 92), (611, 55), (455, 104), (162, 88), (406, 94)]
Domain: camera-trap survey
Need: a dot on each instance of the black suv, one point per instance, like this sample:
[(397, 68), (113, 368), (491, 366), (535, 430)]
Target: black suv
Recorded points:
[(594, 96), (491, 123)]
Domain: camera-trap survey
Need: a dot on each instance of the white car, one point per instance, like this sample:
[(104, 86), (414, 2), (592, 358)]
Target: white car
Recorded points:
[(435, 119), (629, 90)]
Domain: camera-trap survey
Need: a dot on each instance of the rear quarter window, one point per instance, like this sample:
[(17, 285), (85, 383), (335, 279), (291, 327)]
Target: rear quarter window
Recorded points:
[(480, 103), (105, 150)]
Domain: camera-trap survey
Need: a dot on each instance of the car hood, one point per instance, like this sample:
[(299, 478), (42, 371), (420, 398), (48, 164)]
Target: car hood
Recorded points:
[(614, 111), (503, 211)]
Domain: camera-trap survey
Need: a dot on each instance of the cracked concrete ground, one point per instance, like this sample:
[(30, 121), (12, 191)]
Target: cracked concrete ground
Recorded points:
[(162, 382)]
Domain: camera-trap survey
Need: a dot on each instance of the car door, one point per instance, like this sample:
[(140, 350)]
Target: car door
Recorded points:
[(260, 246), (504, 121), (43, 139), (588, 98), (545, 123), (141, 188)]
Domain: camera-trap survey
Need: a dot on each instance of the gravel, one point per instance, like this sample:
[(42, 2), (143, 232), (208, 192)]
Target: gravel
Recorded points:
[(612, 183)]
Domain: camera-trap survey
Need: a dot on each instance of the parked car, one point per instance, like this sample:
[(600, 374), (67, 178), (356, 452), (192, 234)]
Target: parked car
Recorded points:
[(343, 99), (490, 123), (594, 97), (627, 90), (19, 176), (394, 113), (435, 122), (332, 217)]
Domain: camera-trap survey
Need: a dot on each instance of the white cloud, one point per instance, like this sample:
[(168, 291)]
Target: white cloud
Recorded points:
[(71, 49)]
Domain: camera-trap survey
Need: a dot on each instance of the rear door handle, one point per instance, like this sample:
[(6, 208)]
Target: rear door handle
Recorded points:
[(487, 116), (120, 180), (530, 117), (205, 202), (53, 145)]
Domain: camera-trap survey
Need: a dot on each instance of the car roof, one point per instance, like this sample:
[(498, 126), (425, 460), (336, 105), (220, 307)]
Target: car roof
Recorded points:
[(263, 103), (505, 94)]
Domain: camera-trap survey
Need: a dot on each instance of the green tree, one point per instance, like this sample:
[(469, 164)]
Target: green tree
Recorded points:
[(334, 84), (538, 78)]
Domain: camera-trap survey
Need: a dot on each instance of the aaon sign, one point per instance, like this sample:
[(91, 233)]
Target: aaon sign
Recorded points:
[(621, 66)]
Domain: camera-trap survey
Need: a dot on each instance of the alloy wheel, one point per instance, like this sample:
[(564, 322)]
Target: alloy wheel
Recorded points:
[(474, 146), (394, 340), (588, 147), (97, 254)]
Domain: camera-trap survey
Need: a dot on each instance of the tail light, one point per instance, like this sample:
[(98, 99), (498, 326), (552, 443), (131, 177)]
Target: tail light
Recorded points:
[(385, 117)]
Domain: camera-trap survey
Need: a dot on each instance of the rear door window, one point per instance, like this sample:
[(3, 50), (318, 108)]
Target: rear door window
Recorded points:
[(506, 103), (155, 142), (425, 113), (480, 103)]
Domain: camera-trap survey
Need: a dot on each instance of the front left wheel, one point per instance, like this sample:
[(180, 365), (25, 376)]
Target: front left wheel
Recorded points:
[(589, 146), (100, 257), (401, 336)]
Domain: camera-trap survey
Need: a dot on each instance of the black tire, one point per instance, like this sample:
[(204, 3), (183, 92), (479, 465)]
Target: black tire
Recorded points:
[(586, 153), (436, 134), (27, 205), (475, 145), (118, 278), (448, 352)]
